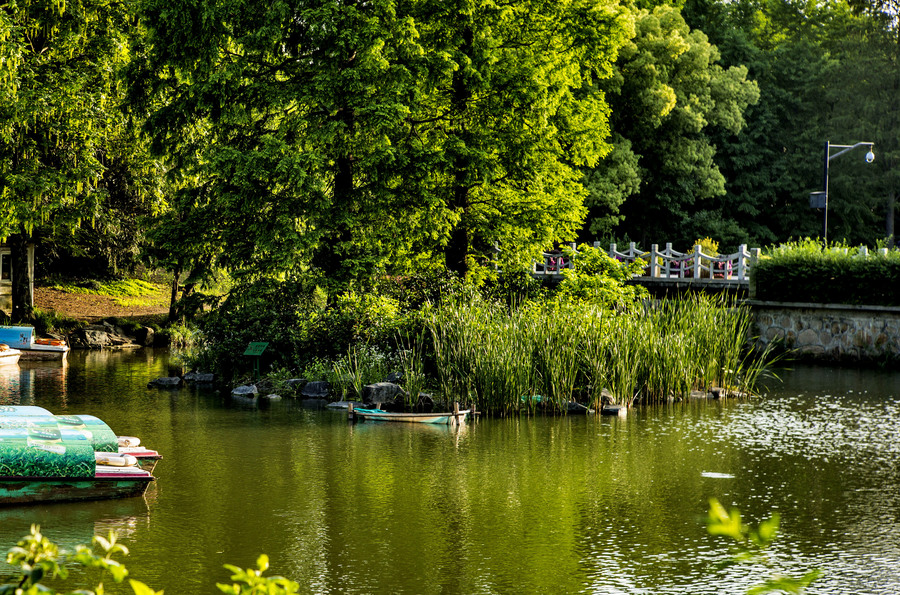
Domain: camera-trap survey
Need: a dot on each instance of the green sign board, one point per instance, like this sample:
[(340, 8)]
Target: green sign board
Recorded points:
[(256, 348)]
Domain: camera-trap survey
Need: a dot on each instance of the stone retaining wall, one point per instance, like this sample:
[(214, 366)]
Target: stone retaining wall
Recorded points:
[(829, 331)]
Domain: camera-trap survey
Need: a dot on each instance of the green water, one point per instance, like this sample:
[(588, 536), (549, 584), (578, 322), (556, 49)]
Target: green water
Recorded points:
[(546, 505)]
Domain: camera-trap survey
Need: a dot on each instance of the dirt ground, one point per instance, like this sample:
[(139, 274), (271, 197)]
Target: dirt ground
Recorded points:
[(91, 308)]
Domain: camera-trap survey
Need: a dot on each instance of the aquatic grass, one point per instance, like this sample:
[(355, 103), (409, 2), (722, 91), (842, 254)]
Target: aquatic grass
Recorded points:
[(557, 348), (353, 368), (628, 357), (595, 372), (184, 337), (411, 355), (546, 354), (503, 376)]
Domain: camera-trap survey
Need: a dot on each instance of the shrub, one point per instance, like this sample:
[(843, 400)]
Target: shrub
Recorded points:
[(513, 286), (49, 321), (36, 558), (597, 278), (808, 271), (277, 312), (289, 316)]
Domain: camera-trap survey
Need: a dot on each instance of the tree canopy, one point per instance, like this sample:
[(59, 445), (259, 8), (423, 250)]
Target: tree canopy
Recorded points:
[(61, 127), (668, 95), (352, 139), (356, 136)]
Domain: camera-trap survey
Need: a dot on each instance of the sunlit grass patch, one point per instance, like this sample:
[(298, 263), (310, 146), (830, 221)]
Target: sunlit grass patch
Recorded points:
[(125, 292)]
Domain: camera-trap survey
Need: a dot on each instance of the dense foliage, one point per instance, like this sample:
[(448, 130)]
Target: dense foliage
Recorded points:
[(595, 277), (37, 560), (826, 72), (668, 96), (311, 149), (807, 271), (551, 353), (299, 325), (362, 137), (68, 158)]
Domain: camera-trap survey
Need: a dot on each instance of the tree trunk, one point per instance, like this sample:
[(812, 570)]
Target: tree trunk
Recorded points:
[(173, 299), (455, 256), (330, 255), (22, 298)]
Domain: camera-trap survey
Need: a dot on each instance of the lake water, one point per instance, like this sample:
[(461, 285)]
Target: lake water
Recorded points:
[(545, 505)]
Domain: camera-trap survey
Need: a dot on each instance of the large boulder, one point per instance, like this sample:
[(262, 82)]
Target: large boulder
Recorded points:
[(89, 339), (573, 408), (99, 336), (382, 392), (247, 390), (199, 377), (165, 382), (318, 389), (144, 336), (617, 410)]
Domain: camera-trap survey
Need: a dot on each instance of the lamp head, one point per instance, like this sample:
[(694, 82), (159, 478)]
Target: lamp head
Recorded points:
[(870, 156)]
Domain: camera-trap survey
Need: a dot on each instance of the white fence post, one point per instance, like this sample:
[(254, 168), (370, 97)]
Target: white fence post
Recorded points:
[(697, 253), (668, 261), (654, 266), (742, 262)]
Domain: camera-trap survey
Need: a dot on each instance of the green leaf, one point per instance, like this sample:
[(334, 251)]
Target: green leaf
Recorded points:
[(140, 588)]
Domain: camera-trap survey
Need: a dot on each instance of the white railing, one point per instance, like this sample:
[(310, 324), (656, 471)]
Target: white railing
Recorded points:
[(553, 263), (667, 263)]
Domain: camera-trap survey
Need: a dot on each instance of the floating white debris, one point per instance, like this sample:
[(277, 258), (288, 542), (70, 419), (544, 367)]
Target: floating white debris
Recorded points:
[(715, 475)]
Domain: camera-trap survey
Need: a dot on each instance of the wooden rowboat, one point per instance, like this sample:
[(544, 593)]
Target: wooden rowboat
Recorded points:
[(448, 418)]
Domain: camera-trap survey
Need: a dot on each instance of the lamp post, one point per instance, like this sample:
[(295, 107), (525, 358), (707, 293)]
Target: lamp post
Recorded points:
[(820, 199)]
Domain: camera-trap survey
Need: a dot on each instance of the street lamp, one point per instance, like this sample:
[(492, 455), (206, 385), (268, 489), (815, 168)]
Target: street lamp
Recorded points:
[(819, 200)]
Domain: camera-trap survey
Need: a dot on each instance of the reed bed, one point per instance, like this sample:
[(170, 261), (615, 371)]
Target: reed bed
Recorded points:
[(507, 361)]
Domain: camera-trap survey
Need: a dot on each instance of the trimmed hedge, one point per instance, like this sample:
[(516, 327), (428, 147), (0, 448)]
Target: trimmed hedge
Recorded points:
[(808, 272)]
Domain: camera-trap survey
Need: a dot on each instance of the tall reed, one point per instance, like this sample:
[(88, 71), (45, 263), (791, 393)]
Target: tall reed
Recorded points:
[(411, 362), (507, 360)]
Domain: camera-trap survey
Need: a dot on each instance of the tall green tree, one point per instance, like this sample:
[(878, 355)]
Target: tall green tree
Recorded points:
[(862, 90), (513, 116), (58, 115), (826, 72), (669, 94), (290, 120), (361, 136)]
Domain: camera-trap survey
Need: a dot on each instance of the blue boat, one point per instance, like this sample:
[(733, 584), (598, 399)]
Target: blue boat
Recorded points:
[(447, 418), (22, 340)]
